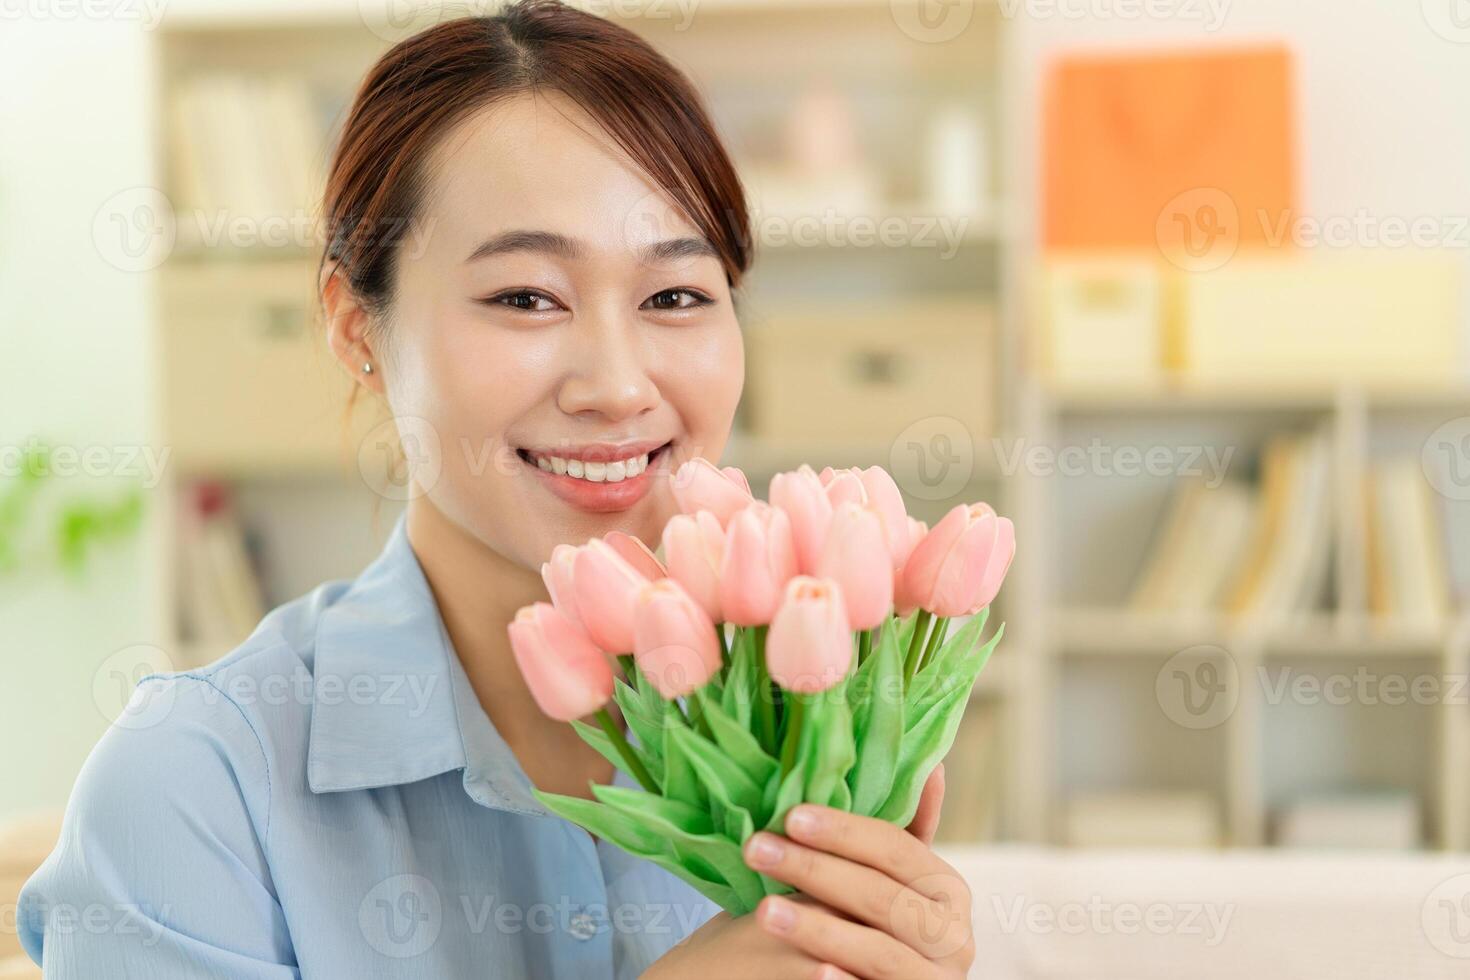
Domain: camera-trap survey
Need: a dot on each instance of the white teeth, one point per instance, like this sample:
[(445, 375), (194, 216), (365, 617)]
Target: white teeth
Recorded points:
[(593, 471)]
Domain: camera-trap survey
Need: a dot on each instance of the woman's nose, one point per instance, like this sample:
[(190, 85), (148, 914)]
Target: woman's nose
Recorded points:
[(608, 375)]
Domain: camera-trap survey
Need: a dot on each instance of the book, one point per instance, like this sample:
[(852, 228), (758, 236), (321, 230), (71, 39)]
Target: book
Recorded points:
[(221, 597), (1407, 570), (1198, 548), (1353, 821), (1142, 819)]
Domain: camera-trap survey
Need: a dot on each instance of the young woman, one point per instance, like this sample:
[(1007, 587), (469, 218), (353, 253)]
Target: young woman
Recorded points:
[(534, 241)]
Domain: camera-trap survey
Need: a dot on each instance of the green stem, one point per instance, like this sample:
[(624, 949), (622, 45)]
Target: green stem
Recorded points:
[(724, 648), (936, 639), (793, 733), (696, 716), (626, 659), (765, 704), (916, 645), (620, 742), (865, 645)]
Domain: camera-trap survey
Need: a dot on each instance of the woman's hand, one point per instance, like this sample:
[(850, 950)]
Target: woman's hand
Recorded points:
[(883, 904), (896, 910)]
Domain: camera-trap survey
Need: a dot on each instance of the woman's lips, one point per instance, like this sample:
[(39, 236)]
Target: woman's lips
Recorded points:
[(601, 497)]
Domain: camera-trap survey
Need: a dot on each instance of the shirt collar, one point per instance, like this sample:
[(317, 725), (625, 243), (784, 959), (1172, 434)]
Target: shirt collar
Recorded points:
[(391, 702)]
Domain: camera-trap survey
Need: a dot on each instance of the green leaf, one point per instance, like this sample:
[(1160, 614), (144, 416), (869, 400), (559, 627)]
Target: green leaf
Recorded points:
[(632, 836), (736, 740), (738, 695), (645, 725), (963, 671), (680, 779), (597, 738), (826, 743), (878, 739), (718, 774), (953, 647), (690, 835), (923, 748)]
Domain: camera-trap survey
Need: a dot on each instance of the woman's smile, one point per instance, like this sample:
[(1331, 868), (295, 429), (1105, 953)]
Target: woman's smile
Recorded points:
[(598, 477)]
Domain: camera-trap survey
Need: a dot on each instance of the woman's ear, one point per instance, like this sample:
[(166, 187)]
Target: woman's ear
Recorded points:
[(347, 330)]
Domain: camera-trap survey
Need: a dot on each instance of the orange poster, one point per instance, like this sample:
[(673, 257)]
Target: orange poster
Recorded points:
[(1128, 138)]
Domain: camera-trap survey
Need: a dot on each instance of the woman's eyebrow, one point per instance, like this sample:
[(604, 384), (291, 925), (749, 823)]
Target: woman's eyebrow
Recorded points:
[(553, 243)]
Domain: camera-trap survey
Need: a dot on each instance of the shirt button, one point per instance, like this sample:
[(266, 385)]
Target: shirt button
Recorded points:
[(582, 925)]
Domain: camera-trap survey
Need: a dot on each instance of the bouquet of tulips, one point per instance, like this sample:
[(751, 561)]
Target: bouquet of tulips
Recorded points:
[(782, 652)]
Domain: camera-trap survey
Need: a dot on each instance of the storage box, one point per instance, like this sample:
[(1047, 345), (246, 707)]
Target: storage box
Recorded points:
[(1101, 318), (248, 381), (865, 375), (1372, 317)]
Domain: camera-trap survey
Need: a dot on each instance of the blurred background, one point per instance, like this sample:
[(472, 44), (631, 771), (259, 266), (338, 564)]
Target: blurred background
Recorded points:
[(1176, 284)]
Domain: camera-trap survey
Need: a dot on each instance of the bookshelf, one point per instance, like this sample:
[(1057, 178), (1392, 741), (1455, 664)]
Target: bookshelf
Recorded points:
[(1071, 703), (1320, 700), (904, 223)]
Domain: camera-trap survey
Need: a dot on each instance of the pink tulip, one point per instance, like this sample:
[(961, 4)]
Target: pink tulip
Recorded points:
[(568, 676), (854, 558), (636, 553), (801, 495), (557, 574), (699, 485), (887, 502), (737, 477), (674, 641), (759, 559), (844, 485), (605, 586), (809, 646), (694, 545), (958, 567), (903, 603)]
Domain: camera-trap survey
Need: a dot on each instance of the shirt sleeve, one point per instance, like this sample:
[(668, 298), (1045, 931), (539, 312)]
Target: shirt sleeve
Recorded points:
[(161, 867)]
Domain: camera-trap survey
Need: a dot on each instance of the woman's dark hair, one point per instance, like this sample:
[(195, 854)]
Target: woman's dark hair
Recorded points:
[(425, 84)]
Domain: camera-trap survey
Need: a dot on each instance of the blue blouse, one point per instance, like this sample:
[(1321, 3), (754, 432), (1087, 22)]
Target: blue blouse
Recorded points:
[(330, 800)]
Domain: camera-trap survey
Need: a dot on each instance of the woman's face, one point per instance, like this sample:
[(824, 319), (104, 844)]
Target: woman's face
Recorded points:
[(557, 324)]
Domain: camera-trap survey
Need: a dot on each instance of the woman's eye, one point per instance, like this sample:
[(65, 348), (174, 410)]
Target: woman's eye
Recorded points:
[(676, 299), (524, 300)]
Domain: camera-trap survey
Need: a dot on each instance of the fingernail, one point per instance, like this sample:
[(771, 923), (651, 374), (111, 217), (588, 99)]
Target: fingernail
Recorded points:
[(803, 820), (779, 915), (763, 850)]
